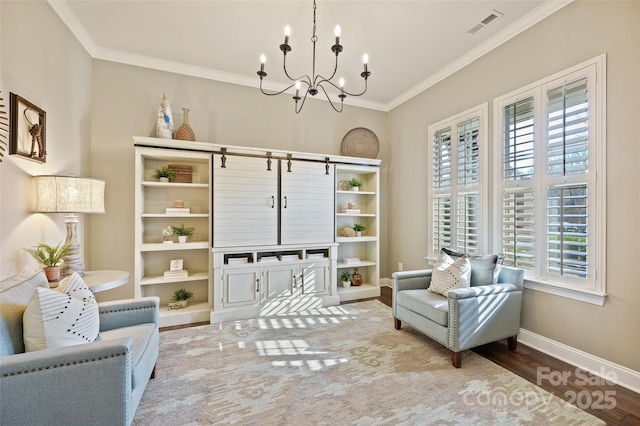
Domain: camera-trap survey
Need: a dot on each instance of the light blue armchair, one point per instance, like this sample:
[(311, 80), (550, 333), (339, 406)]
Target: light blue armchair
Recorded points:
[(94, 383), (468, 317)]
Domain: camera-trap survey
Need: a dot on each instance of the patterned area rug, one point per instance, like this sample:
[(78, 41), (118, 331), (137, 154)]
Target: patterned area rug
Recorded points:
[(343, 365)]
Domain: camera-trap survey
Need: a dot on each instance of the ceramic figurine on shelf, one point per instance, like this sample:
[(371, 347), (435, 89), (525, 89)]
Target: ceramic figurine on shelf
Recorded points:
[(164, 125)]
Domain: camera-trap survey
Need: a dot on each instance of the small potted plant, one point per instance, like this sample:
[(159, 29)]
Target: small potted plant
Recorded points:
[(164, 173), (355, 184), (183, 232), (345, 277), (359, 228), (50, 257), (182, 296)]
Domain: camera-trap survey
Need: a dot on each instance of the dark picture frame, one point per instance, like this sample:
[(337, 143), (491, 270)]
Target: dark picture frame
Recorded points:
[(27, 130)]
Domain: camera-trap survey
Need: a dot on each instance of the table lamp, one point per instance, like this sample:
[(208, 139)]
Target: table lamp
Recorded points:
[(71, 195)]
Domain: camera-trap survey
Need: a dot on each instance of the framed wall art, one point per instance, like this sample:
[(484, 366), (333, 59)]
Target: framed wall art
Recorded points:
[(27, 132)]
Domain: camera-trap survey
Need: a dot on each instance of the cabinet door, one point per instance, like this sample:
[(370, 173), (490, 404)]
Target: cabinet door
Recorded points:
[(315, 277), (307, 201), (279, 281), (245, 202), (241, 286)]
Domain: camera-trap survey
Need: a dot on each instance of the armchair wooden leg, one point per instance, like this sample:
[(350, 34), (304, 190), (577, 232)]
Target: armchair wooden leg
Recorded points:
[(397, 323), (153, 373), (456, 359), (512, 342)]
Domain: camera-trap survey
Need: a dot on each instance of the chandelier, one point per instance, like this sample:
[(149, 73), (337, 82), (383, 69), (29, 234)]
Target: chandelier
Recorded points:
[(315, 82)]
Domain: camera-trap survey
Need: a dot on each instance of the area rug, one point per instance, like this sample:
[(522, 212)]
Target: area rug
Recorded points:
[(342, 365)]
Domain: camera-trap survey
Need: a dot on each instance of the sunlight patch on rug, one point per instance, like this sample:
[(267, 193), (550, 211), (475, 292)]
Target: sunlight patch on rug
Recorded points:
[(341, 365)]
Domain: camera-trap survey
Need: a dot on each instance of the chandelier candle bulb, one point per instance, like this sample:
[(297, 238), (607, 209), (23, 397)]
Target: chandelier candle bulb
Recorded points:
[(365, 60), (263, 59), (287, 33), (337, 32)]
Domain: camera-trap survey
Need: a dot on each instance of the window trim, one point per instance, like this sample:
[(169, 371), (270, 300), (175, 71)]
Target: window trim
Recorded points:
[(481, 112), (598, 294)]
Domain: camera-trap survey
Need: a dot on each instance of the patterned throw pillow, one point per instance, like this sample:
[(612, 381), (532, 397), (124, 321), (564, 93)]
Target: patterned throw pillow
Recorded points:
[(54, 319), (449, 274), (484, 269)]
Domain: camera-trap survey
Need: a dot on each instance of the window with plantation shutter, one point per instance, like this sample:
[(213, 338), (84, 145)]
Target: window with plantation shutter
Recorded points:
[(551, 152), (457, 178)]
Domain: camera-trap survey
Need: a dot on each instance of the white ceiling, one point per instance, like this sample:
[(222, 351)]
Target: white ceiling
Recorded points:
[(411, 44)]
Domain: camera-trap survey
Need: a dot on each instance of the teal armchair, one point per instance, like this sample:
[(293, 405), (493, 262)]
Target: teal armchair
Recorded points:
[(100, 382), (467, 317)]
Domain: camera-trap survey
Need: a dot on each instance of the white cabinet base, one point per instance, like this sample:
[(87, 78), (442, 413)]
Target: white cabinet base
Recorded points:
[(196, 312), (363, 291)]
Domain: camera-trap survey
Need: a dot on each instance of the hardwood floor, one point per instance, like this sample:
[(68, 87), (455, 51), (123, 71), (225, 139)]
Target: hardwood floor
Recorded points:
[(524, 362), (585, 391)]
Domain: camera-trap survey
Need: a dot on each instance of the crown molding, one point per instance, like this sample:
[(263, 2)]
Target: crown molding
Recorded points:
[(61, 8), (546, 9)]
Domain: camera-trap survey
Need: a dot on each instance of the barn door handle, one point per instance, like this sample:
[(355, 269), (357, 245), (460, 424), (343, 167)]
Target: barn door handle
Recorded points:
[(285, 201)]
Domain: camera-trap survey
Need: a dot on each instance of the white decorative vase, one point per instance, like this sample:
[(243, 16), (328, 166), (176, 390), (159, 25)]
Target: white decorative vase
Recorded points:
[(164, 179), (346, 284), (355, 188), (183, 303), (182, 238), (358, 233)]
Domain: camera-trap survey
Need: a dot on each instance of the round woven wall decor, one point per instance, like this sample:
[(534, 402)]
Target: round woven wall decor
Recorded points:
[(360, 142)]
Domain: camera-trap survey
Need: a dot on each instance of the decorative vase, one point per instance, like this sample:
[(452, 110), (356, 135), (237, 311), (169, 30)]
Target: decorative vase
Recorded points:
[(346, 284), (185, 132), (355, 188), (52, 273), (356, 278), (182, 238), (164, 179), (358, 233), (183, 303)]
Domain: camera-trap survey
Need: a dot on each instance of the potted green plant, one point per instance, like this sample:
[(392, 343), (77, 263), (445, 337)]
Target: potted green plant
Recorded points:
[(182, 296), (355, 184), (183, 232), (345, 277), (359, 228), (50, 257), (164, 173)]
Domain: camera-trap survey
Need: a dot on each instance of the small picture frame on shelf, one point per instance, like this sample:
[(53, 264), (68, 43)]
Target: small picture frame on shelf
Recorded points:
[(176, 265)]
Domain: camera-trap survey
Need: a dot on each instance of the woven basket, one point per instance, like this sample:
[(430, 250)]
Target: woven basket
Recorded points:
[(183, 173)]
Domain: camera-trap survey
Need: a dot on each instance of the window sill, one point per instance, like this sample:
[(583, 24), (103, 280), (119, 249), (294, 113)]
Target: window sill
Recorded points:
[(588, 296)]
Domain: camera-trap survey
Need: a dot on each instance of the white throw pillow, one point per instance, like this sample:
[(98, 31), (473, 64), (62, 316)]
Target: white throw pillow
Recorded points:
[(54, 319), (448, 274)]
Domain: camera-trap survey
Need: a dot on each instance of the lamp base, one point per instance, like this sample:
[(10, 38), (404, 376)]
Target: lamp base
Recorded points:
[(73, 261)]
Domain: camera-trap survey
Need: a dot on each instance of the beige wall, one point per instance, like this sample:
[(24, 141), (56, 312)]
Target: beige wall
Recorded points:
[(125, 103), (576, 33), (44, 64), (94, 108)]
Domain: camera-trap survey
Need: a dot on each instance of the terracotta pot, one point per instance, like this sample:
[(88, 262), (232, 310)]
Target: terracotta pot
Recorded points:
[(52, 272)]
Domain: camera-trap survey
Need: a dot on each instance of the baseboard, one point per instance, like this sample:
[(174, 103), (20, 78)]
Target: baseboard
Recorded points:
[(618, 374), (386, 282)]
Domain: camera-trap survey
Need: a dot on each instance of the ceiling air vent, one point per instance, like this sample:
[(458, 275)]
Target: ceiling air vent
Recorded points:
[(486, 21)]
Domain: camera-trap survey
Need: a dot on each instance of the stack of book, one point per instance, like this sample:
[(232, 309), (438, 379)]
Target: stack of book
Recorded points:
[(352, 211), (268, 259), (237, 260), (178, 210), (351, 260), (289, 257), (315, 255), (181, 273)]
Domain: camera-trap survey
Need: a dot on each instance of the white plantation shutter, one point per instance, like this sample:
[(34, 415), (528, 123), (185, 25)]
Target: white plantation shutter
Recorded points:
[(552, 215), (441, 224), (469, 152), (442, 159), (567, 129), (468, 223), (518, 140), (567, 230), (518, 227), (456, 180)]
